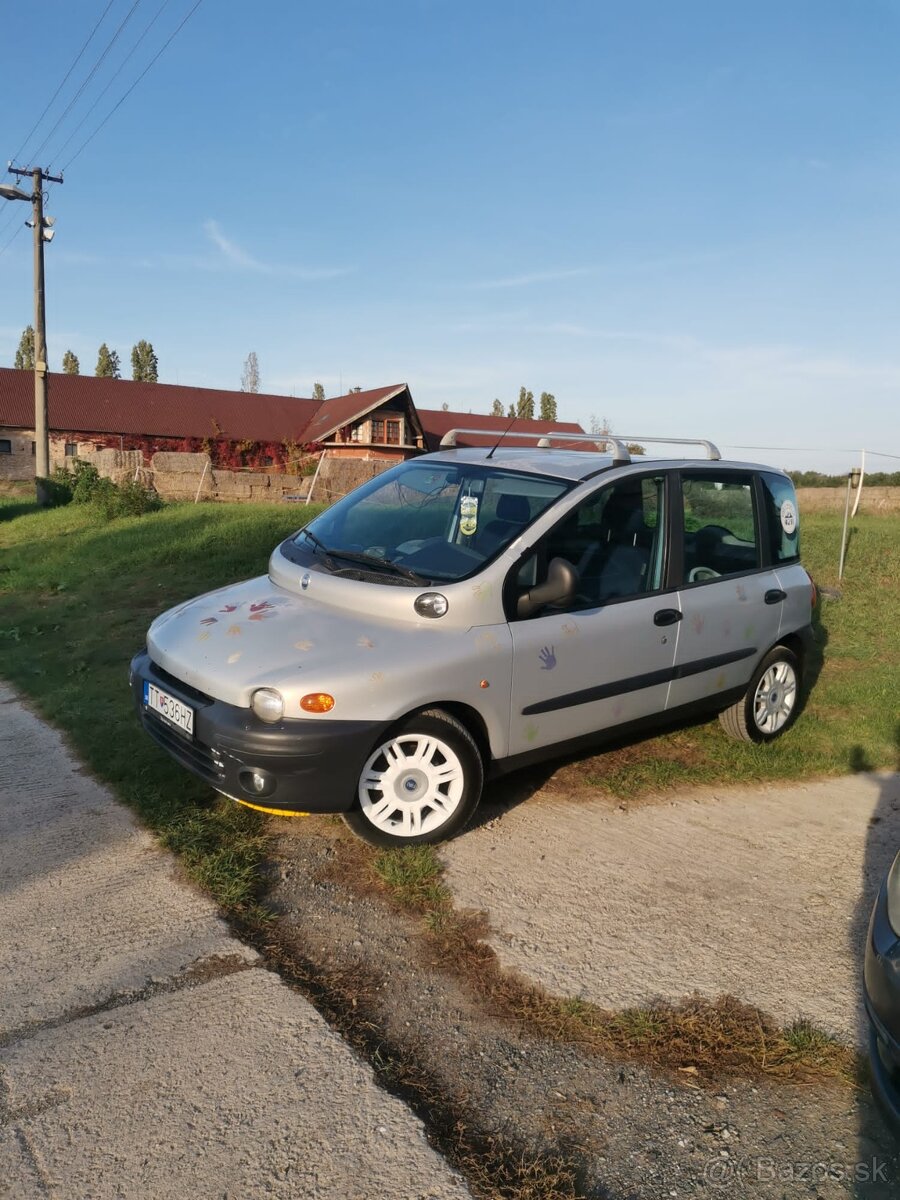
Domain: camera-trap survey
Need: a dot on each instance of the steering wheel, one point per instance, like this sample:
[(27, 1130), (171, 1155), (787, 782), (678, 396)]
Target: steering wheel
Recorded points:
[(700, 574)]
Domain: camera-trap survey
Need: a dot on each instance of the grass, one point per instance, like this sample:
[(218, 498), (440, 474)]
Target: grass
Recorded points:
[(76, 596), (705, 1038)]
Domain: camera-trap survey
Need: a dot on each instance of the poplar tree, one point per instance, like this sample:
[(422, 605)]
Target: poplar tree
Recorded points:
[(144, 363), (548, 406), (250, 373), (107, 363), (25, 353)]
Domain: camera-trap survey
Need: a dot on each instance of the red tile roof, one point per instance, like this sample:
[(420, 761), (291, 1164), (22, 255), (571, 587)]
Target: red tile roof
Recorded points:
[(86, 404), (437, 421)]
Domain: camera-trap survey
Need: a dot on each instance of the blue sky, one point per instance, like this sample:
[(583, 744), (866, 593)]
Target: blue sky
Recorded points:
[(684, 217)]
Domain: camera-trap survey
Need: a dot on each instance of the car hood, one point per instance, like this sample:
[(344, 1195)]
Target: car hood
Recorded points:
[(256, 634)]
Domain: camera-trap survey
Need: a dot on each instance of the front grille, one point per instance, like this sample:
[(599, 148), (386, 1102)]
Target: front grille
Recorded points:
[(191, 754), (181, 688)]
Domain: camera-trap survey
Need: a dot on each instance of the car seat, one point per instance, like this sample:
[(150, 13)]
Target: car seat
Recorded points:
[(513, 514), (624, 533)]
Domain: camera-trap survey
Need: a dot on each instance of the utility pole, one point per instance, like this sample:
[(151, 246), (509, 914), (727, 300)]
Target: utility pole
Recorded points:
[(42, 233)]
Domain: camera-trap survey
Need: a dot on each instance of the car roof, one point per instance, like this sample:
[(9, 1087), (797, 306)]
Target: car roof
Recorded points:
[(578, 465)]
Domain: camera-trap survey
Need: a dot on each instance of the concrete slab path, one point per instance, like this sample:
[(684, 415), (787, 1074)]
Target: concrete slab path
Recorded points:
[(144, 1052), (763, 893)]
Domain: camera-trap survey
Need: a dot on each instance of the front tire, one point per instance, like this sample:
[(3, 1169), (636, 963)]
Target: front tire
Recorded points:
[(421, 784), (769, 706)]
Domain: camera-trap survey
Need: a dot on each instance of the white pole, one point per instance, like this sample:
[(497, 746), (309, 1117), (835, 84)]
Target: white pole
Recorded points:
[(859, 486), (202, 477), (309, 494)]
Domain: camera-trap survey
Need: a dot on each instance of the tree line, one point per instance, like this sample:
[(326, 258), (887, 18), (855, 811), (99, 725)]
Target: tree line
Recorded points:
[(524, 409), (144, 363)]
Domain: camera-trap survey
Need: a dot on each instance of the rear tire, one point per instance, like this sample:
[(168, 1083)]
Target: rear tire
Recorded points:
[(769, 706), (421, 784)]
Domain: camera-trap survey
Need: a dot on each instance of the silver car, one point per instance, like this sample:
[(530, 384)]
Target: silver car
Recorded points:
[(472, 610)]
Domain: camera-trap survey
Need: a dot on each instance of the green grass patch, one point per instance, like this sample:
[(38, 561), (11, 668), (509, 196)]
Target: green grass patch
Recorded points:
[(76, 596)]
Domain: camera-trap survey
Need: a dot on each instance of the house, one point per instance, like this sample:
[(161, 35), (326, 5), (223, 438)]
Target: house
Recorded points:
[(237, 429)]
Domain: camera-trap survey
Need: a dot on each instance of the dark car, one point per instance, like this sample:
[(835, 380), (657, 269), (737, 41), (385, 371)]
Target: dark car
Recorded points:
[(882, 994)]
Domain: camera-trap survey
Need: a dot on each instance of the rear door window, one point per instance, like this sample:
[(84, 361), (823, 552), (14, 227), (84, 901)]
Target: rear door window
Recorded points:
[(721, 532), (780, 515)]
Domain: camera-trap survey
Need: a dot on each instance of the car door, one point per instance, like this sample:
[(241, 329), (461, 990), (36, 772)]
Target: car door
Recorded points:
[(603, 658), (730, 602)]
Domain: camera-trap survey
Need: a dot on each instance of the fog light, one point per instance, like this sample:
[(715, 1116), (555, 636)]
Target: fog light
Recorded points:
[(267, 704), (317, 702), (256, 781), (431, 604)]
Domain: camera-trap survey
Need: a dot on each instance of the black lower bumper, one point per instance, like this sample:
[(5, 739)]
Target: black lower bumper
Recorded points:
[(882, 997), (298, 766)]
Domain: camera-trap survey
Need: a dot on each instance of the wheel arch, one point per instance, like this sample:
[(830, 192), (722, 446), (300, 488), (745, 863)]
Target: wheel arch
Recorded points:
[(795, 643), (468, 716)]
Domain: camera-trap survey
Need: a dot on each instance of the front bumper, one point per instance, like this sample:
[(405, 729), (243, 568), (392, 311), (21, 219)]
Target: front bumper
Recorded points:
[(882, 998), (307, 765)]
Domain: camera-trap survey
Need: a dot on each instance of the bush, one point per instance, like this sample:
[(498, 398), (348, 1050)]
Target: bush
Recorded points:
[(85, 482), (55, 490), (85, 485), (125, 500)]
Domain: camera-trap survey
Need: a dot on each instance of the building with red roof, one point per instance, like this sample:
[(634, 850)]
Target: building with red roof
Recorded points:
[(237, 429)]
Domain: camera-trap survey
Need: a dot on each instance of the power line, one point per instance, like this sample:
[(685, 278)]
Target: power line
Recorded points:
[(122, 65), (123, 98), (11, 239), (18, 153), (93, 71)]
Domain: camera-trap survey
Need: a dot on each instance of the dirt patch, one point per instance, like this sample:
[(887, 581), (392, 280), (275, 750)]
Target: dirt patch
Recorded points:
[(517, 1110)]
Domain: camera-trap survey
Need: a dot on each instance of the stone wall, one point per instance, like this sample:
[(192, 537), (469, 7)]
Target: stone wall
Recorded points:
[(182, 476), (338, 476)]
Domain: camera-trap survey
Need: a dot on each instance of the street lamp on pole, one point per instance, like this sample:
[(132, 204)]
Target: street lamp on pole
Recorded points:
[(42, 233)]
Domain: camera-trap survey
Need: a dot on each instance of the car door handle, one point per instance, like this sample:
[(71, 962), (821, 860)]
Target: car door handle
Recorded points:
[(667, 616), (775, 596)]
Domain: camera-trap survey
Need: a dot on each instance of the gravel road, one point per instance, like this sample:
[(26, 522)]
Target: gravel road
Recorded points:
[(760, 893)]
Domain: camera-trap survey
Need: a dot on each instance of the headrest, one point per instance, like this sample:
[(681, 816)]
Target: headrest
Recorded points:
[(513, 508), (623, 516)]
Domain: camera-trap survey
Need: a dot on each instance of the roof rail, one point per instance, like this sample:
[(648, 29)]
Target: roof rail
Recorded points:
[(619, 450), (712, 450), (617, 441)]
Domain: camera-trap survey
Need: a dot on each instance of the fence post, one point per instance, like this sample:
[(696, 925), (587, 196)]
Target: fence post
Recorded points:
[(202, 477), (312, 486)]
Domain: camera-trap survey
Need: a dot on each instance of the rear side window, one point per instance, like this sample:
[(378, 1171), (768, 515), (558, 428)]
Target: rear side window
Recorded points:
[(782, 520), (720, 531)]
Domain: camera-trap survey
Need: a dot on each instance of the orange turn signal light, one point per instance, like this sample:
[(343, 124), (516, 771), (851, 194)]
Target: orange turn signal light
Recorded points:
[(317, 702)]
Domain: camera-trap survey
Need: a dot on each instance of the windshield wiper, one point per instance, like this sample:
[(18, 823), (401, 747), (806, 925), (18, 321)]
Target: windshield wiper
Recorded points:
[(320, 545), (372, 560)]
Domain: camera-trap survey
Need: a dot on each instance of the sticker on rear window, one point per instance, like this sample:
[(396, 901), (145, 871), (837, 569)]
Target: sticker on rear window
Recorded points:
[(468, 515), (789, 518)]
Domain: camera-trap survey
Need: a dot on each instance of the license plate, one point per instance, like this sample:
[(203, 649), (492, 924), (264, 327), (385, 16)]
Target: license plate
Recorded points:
[(170, 709)]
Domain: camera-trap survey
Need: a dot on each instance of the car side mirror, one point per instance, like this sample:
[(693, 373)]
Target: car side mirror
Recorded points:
[(560, 585)]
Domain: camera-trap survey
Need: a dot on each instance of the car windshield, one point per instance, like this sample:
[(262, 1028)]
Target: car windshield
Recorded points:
[(425, 521)]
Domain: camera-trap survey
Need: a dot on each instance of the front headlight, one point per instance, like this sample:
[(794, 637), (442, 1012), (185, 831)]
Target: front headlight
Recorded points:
[(893, 895), (267, 704)]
